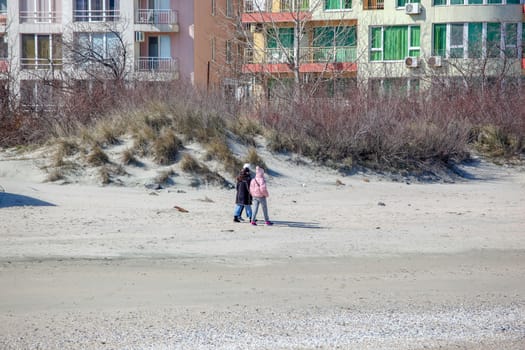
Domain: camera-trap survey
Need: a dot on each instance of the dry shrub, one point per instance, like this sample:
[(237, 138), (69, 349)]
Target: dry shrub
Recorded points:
[(105, 175), (55, 175), (106, 134), (495, 142), (217, 148), (128, 157), (191, 165), (166, 147), (164, 177), (97, 157), (253, 158)]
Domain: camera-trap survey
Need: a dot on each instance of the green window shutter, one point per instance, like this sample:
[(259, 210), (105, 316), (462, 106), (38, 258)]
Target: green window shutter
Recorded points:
[(494, 1), (475, 40), (345, 36), (331, 4), (457, 2), (282, 37), (376, 43), (493, 39), (440, 2), (271, 39), (401, 3), (513, 2), (475, 2), (439, 45), (415, 34), (396, 43)]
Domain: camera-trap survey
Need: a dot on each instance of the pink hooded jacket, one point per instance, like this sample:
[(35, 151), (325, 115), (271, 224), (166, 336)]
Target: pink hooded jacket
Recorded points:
[(258, 184)]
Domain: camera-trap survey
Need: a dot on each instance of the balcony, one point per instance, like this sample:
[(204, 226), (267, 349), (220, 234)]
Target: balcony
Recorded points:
[(261, 11), (155, 16), (157, 64), (373, 4), (252, 6), (313, 59), (41, 63), (111, 15), (39, 17)]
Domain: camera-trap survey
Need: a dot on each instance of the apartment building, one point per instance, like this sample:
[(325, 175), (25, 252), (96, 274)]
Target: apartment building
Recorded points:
[(132, 40), (381, 43)]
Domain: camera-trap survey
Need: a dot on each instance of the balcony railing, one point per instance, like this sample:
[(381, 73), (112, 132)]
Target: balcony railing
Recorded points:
[(251, 6), (41, 63), (156, 64), (308, 55), (39, 17), (96, 15), (154, 16), (373, 4)]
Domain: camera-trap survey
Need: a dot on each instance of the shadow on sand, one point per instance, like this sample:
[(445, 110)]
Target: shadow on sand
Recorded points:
[(298, 224), (8, 200)]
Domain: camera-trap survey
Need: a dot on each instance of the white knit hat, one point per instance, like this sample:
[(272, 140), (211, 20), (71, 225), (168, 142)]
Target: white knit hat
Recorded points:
[(246, 166)]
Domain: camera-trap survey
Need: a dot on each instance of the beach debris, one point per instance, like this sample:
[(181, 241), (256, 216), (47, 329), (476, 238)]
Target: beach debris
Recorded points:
[(366, 180), (181, 209), (153, 194), (381, 204), (339, 183), (207, 200)]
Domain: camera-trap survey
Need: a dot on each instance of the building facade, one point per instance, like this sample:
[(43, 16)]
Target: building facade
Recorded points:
[(378, 42), (130, 40)]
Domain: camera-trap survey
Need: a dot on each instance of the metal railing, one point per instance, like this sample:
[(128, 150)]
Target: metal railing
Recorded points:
[(331, 54), (156, 64), (155, 16), (41, 63), (40, 17), (96, 15), (251, 6), (308, 55), (373, 4)]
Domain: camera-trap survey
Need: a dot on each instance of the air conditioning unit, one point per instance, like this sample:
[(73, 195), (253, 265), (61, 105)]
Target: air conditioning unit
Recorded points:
[(139, 37), (413, 8), (411, 62), (435, 61)]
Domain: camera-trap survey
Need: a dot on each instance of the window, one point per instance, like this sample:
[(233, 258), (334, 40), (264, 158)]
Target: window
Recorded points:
[(229, 8), (3, 6), (229, 53), (294, 5), (96, 10), (41, 51), (402, 3), (95, 47), (475, 40), (3, 47), (394, 43), (279, 43), (335, 44), (213, 49), (337, 4)]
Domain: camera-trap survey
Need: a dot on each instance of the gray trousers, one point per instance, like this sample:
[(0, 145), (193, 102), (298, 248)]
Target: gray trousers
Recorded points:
[(256, 202)]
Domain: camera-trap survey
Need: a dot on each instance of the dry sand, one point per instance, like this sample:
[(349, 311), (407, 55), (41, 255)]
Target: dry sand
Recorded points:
[(371, 264)]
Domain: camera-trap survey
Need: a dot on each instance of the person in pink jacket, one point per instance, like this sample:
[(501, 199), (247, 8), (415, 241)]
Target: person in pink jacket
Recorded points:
[(259, 192)]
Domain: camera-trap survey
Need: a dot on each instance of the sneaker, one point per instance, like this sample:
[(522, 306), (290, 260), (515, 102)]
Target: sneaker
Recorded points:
[(269, 223), (236, 219), (254, 223)]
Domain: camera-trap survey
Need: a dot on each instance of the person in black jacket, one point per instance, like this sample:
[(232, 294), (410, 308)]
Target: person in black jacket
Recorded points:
[(243, 198)]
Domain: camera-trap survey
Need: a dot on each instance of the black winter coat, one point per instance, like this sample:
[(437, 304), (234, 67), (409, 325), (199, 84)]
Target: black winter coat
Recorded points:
[(243, 196)]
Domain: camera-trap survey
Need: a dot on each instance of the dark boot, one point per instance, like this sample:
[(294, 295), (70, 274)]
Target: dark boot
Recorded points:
[(236, 219)]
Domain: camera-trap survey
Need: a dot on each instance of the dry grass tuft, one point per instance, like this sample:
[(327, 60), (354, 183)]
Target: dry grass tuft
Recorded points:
[(128, 157), (191, 165), (105, 175), (253, 158), (55, 175), (164, 177), (166, 147), (97, 157)]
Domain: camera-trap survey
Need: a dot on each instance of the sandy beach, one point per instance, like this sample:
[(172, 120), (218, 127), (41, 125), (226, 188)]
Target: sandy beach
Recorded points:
[(367, 263)]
